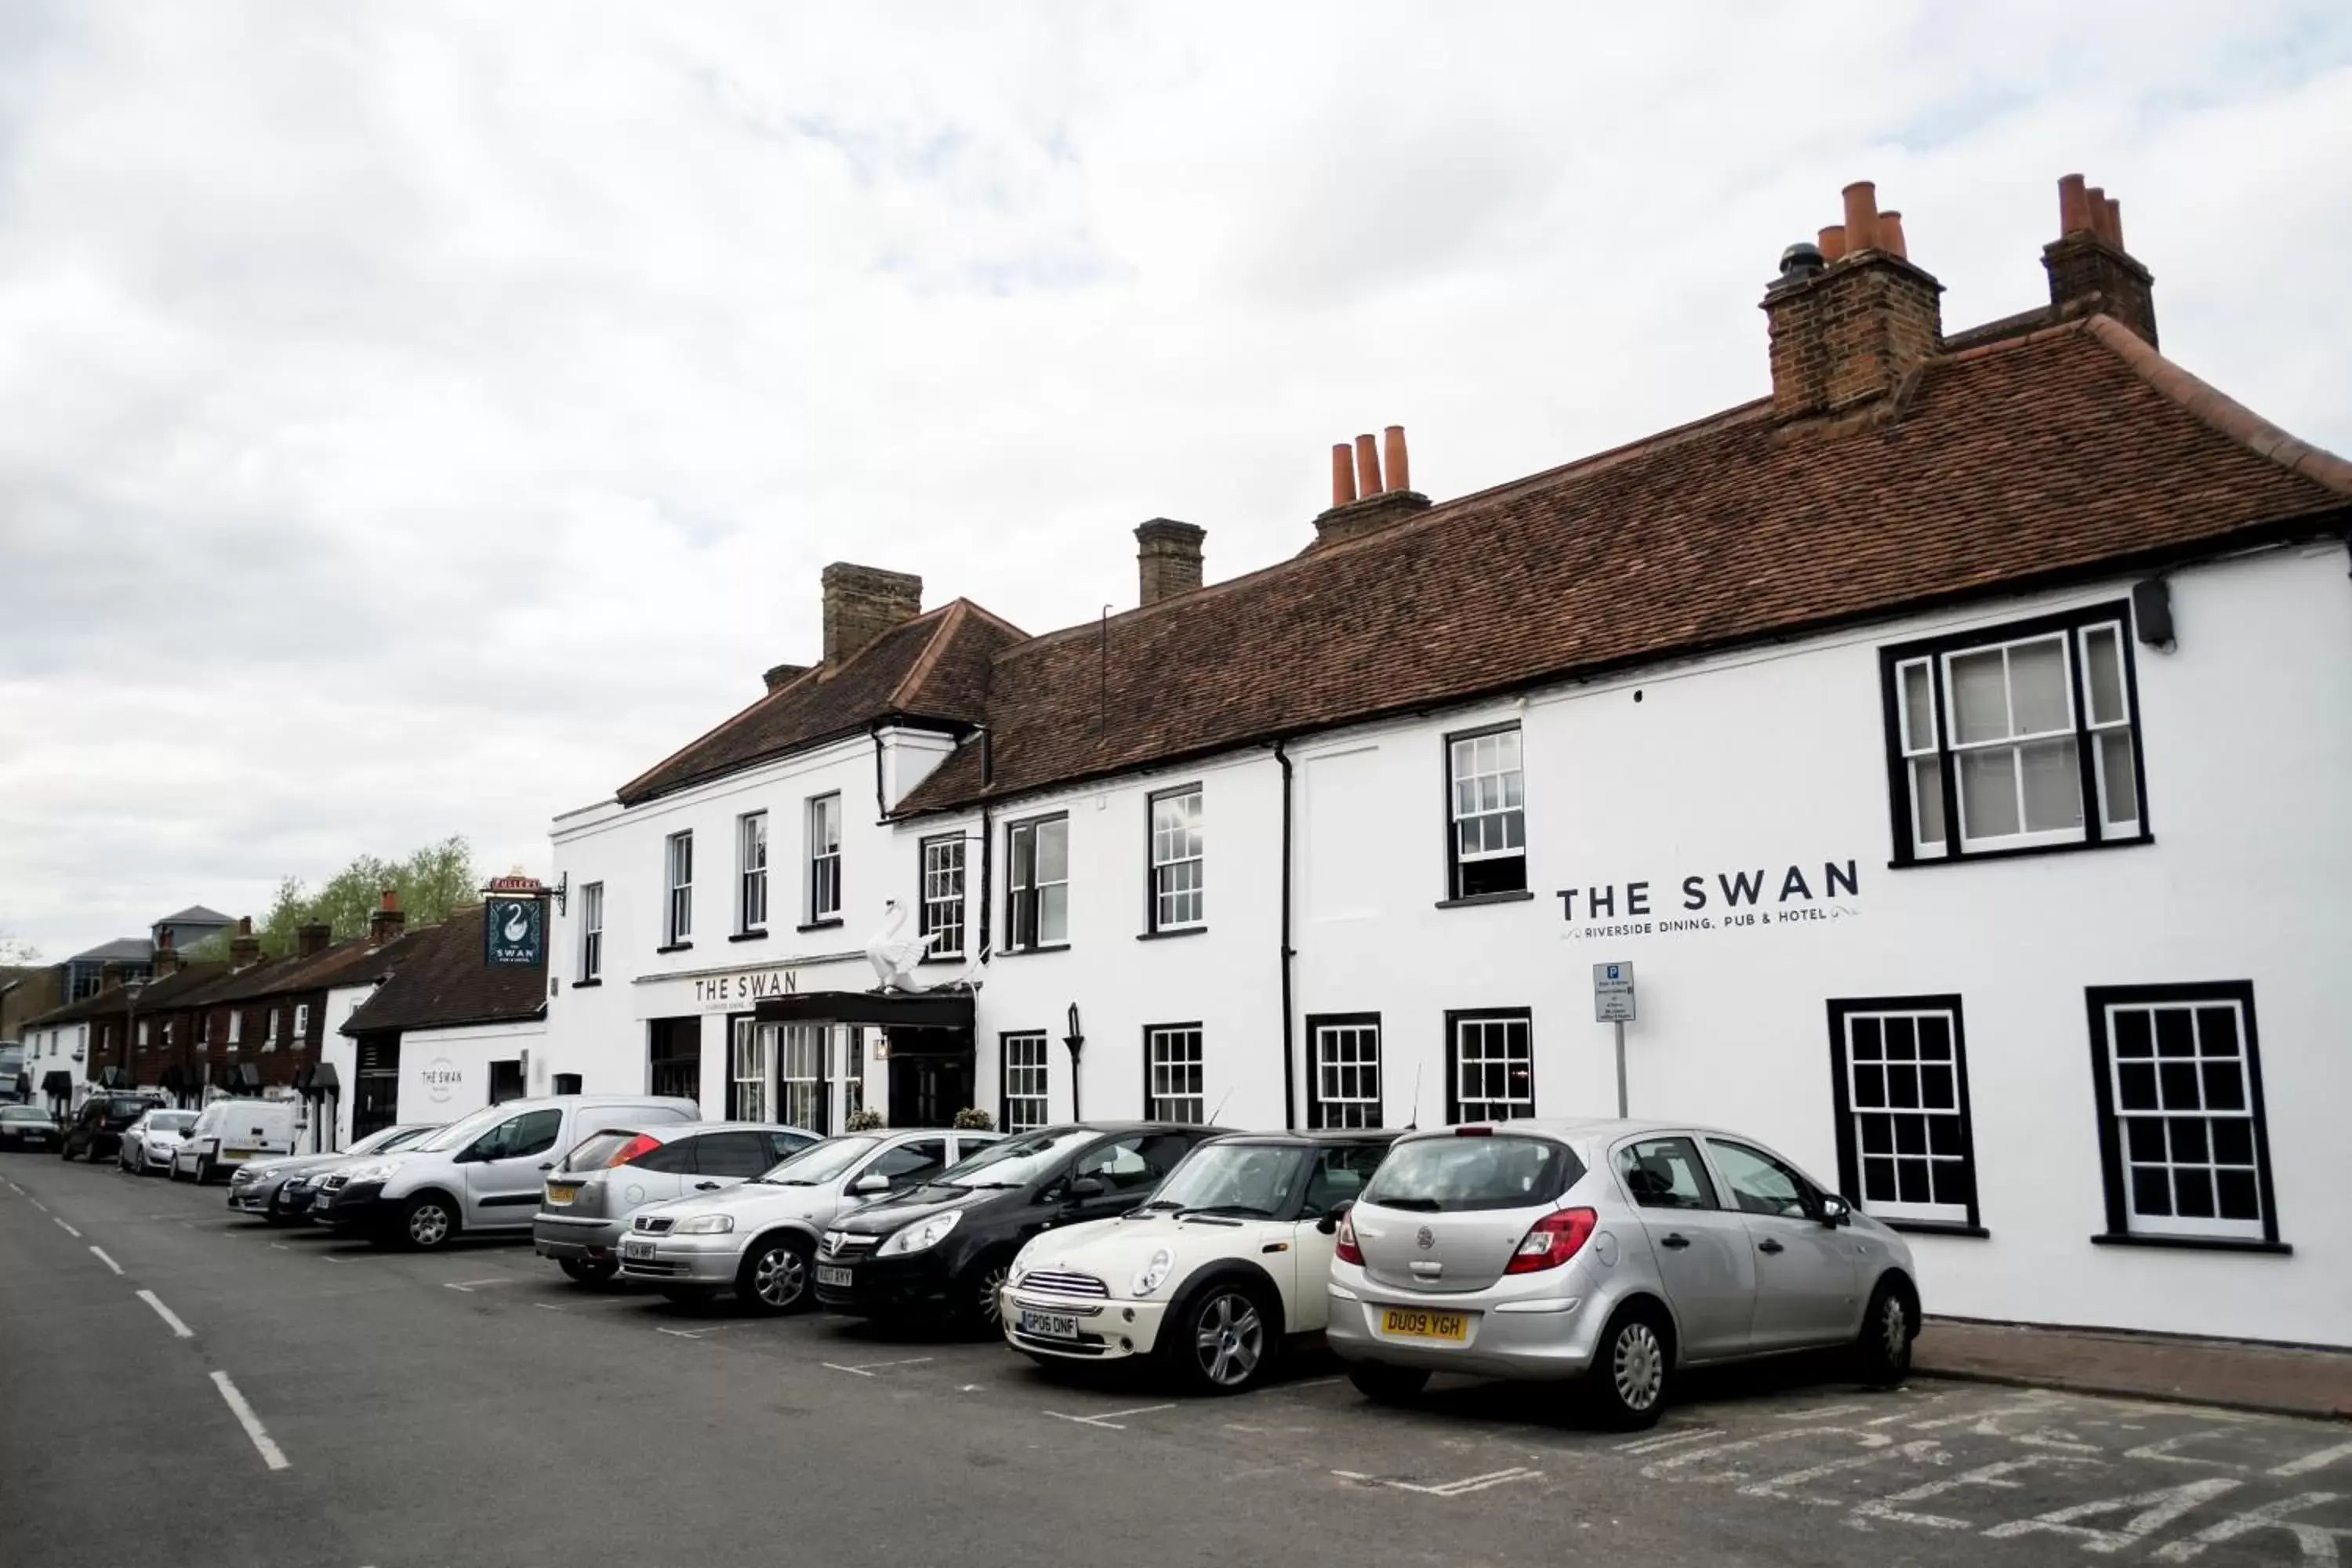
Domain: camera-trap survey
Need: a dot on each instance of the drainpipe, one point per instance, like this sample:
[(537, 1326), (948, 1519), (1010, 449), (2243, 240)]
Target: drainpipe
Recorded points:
[(1290, 1049), (881, 806)]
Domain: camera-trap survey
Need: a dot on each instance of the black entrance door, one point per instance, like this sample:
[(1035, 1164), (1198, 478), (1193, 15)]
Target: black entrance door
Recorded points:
[(674, 1058), (926, 1092), (376, 1099)]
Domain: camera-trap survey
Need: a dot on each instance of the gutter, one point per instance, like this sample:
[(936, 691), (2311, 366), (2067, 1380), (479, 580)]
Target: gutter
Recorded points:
[(1289, 1049)]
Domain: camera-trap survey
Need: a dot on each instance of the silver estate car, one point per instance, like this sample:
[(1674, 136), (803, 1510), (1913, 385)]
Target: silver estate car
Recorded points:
[(756, 1240), (1616, 1252), (592, 1194)]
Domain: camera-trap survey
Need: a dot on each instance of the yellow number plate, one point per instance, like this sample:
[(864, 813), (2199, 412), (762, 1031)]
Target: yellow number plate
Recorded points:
[(1412, 1325)]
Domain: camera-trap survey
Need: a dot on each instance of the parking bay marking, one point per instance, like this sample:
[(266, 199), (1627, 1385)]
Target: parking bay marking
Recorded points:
[(271, 1454), (1105, 1419), (470, 1286), (868, 1369), (699, 1333), (1463, 1488)]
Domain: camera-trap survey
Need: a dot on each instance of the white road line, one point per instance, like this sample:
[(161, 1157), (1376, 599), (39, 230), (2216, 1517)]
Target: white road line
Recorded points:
[(16, 1189), (67, 1228), (2310, 1462), (868, 1369), (1474, 1483), (470, 1286), (1822, 1412), (40, 1205), (1653, 1444), (271, 1454), (699, 1333), (179, 1329), (1104, 1418), (99, 1253), (328, 1258)]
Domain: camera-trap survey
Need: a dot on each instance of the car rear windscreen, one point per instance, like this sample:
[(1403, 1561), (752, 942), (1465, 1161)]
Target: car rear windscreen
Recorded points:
[(1438, 1175)]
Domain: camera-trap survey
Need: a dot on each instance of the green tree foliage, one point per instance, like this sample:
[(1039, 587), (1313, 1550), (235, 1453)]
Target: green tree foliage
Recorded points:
[(14, 950), (432, 883)]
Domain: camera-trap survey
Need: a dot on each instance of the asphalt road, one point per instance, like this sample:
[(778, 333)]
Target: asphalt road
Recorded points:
[(475, 1409)]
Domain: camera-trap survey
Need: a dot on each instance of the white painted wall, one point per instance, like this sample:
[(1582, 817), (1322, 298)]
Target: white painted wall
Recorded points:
[(445, 1073), (1753, 763)]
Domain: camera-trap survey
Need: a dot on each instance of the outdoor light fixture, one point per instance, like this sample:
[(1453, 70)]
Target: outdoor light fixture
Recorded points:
[(1077, 1040)]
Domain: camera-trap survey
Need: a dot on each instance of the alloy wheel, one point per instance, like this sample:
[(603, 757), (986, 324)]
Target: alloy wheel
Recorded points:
[(428, 1224), (1894, 1329), (1638, 1365), (1230, 1340), (779, 1277)]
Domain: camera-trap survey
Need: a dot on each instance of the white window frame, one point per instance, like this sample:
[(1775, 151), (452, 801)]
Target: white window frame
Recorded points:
[(1868, 1089), (940, 909), (1346, 1065), (1495, 756), (678, 862), (1175, 1081), (2127, 1161), (1033, 894), (591, 930), (269, 1028), (235, 1027), (1502, 1035), (825, 858), (748, 1069), (751, 872), (1178, 867), (800, 1079), (302, 1023), (2099, 728), (1027, 1062), (144, 1028), (2015, 743)]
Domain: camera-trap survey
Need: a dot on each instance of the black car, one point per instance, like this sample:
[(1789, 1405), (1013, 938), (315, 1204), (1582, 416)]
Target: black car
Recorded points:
[(28, 1127), (940, 1250), (97, 1130)]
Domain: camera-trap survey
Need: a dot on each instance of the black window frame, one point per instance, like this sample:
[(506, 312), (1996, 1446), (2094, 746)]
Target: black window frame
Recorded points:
[(1200, 1033), (1455, 893), (1152, 868), (1317, 1106), (1457, 1017), (1849, 1155), (924, 926), (2097, 1000), (1005, 1095), (1019, 899), (2071, 623)]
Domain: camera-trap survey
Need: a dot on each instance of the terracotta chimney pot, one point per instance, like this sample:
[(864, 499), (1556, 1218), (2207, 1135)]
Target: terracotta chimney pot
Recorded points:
[(1368, 468), (1343, 474), (1398, 473), (2074, 205), (1861, 216), (1890, 234), (1832, 242)]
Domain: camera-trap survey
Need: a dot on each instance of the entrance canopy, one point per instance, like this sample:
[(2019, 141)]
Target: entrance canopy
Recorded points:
[(925, 1010)]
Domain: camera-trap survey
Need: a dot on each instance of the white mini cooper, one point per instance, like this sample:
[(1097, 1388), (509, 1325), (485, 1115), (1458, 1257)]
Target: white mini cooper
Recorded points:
[(1229, 1259)]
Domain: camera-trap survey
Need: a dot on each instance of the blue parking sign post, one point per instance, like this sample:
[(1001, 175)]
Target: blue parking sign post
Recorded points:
[(1612, 1004)]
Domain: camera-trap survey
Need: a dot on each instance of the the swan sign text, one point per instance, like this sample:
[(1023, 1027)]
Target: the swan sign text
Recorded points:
[(1742, 898), (745, 986), (514, 931)]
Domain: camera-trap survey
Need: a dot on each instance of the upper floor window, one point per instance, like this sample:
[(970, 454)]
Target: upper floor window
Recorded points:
[(1177, 897), (142, 1034), (592, 932), (1487, 849), (1997, 739), (941, 906), (679, 925), (824, 859), (270, 1029), (751, 872), (236, 1025), (167, 1031), (1037, 884), (301, 1022)]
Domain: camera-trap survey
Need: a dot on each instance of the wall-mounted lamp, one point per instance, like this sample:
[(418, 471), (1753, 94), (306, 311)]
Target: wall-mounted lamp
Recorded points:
[(2152, 613), (1077, 1040)]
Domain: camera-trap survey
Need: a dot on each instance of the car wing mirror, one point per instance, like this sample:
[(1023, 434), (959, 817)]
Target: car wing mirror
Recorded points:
[(872, 1182), (1329, 1223), (1084, 1187), (1835, 1211)]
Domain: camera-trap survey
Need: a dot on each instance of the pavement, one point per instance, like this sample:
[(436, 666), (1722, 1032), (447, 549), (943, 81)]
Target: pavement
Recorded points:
[(240, 1396), (2280, 1380)]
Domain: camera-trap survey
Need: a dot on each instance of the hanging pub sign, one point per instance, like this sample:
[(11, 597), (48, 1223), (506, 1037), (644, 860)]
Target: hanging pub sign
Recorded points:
[(514, 922)]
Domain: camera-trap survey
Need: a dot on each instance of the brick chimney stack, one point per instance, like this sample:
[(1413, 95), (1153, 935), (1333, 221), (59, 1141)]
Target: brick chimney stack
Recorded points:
[(861, 602), (313, 938), (1851, 316), (1363, 500), (110, 976), (1167, 558), (782, 675), (387, 920), (2090, 270), (244, 948), (167, 957)]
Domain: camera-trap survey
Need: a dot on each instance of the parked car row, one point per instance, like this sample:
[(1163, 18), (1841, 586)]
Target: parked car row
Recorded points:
[(1614, 1254), (146, 1135)]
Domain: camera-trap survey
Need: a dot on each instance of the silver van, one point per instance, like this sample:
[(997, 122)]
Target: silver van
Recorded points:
[(1616, 1252), (483, 1172)]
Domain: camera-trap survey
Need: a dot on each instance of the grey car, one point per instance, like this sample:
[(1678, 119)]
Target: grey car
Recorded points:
[(757, 1239), (267, 1187), (1615, 1252), (590, 1197)]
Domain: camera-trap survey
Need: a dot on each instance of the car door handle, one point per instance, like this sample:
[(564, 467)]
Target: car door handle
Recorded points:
[(1768, 1244), (705, 1186), (1677, 1240)]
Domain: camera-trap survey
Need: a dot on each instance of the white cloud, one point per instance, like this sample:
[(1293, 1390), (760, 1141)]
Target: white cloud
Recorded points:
[(421, 418)]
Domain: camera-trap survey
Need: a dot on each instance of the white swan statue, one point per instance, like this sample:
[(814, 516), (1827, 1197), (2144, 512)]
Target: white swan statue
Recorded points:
[(894, 954)]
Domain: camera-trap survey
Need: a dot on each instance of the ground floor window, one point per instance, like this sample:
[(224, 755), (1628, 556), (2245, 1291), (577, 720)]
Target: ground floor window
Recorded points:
[(1343, 1083), (2182, 1135), (674, 1058), (853, 1070), (747, 1088), (1490, 1070), (1172, 1086), (1899, 1072), (800, 1079), (1024, 1079), (506, 1081)]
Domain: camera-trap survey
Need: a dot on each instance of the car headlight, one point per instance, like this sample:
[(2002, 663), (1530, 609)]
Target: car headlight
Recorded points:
[(376, 1172), (705, 1225), (1155, 1273), (920, 1236)]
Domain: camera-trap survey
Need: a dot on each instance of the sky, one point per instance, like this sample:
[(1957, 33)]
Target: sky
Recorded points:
[(420, 418)]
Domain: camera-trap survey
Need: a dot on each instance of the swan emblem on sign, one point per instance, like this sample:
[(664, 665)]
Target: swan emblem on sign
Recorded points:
[(517, 924), (894, 953)]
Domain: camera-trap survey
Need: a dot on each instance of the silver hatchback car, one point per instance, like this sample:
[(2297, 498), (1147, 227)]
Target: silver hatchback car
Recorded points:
[(1616, 1252)]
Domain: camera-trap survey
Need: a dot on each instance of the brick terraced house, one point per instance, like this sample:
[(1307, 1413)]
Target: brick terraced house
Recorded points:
[(1951, 739)]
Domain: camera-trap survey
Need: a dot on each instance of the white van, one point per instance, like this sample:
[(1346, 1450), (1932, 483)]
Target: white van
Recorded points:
[(229, 1132)]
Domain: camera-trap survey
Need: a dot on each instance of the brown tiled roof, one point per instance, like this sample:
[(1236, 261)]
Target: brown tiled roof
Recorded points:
[(934, 667), (159, 995), (2021, 460), (442, 981)]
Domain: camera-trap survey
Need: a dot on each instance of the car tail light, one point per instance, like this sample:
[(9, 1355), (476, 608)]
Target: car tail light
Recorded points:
[(1552, 1240), (637, 1148), (1343, 1245)]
